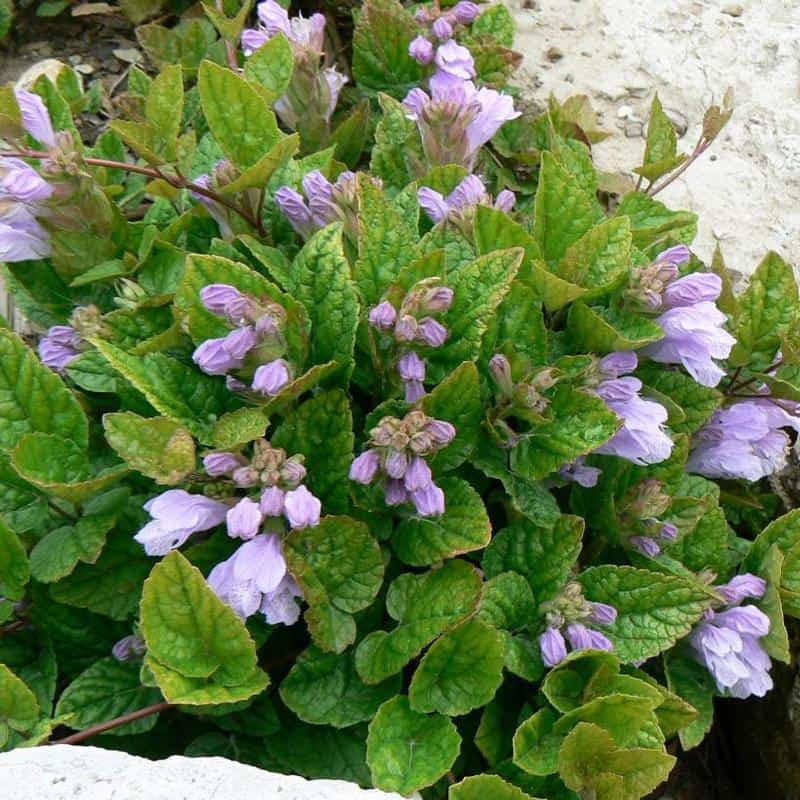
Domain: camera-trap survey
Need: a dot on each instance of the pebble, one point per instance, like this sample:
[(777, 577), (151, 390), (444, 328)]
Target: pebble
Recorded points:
[(554, 54), (76, 59), (623, 112), (678, 119), (734, 10), (634, 130), (128, 54), (84, 69)]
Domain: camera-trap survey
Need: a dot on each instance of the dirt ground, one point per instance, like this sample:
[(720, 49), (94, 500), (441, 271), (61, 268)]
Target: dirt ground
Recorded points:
[(747, 188)]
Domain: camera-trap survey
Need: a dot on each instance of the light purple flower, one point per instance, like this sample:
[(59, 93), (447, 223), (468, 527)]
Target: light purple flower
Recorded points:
[(418, 475), (578, 472), (218, 464), (19, 181), (365, 467), (214, 357), (306, 35), (469, 193), (413, 391), (433, 203), (553, 647), (272, 377), (176, 515), (252, 39), (383, 316), (301, 508), (745, 440), (244, 519), (294, 207), (438, 299), (432, 332), (245, 477), (505, 201), (319, 193), (669, 531), (280, 607), (442, 431), (272, 502), (411, 367), (676, 256), (741, 587), (395, 493), (698, 287), (254, 578), (603, 614), (619, 363), (396, 464), (582, 638), (35, 118), (335, 81), (646, 545), (129, 648), (218, 212), (217, 296), (22, 237), (292, 472), (454, 59), (59, 347), (421, 50), (443, 31), (240, 342), (465, 12), (642, 438), (429, 500)]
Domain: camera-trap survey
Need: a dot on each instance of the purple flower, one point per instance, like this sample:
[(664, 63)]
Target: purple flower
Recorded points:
[(365, 467), (272, 377), (216, 297), (745, 440), (442, 432), (35, 118), (280, 607), (438, 299), (306, 35), (727, 643), (432, 333), (240, 342), (22, 237), (176, 515), (396, 464), (218, 464), (454, 59), (553, 647), (411, 367), (466, 196), (218, 212), (646, 545), (19, 181), (334, 80), (301, 508), (395, 493), (505, 201), (244, 519), (293, 206), (578, 472), (292, 472), (433, 203), (421, 50), (414, 391), (418, 475), (582, 638), (676, 256), (383, 316), (741, 587), (59, 347), (429, 500), (272, 502), (603, 614), (252, 39), (443, 31), (129, 648), (698, 287), (245, 477), (616, 364), (642, 438), (319, 192), (214, 357), (465, 12), (255, 578)]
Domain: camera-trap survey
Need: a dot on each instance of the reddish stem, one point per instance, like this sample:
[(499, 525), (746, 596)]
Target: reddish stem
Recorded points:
[(77, 738)]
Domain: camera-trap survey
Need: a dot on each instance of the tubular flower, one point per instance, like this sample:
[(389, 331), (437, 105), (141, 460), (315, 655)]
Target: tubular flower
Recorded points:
[(465, 197)]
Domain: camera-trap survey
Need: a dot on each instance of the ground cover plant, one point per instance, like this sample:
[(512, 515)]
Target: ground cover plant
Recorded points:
[(369, 435)]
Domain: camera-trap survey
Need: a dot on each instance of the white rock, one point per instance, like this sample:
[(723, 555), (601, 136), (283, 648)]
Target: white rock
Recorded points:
[(61, 772), (49, 66)]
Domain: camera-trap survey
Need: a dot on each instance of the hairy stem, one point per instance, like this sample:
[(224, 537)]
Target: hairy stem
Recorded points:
[(102, 727), (702, 145)]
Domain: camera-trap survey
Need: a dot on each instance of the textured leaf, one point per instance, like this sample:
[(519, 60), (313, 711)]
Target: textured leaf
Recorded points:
[(19, 710), (271, 66), (175, 390), (462, 528), (783, 531), (558, 441), (59, 468), (481, 787), (661, 151), (58, 553), (654, 610), (495, 230), (164, 104), (776, 642), (323, 284), (14, 569), (424, 606), (108, 689), (392, 136), (602, 330), (188, 629), (697, 402), (324, 689), (157, 447), (321, 429), (571, 683), (33, 398), (651, 221), (545, 556), (768, 308), (461, 671), (237, 115), (259, 175), (694, 684), (338, 565), (407, 751)]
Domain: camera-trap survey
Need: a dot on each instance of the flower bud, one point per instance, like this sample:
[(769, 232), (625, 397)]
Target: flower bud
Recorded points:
[(505, 201), (129, 648), (645, 545), (240, 342), (553, 647), (442, 29), (395, 493), (500, 368), (245, 477), (603, 614), (411, 367), (383, 316), (431, 332), (465, 12), (216, 296), (272, 501), (244, 519), (364, 468), (293, 471), (429, 501), (437, 299), (418, 475), (406, 329), (217, 464), (442, 431), (669, 531), (396, 464), (301, 508), (271, 378), (421, 50)]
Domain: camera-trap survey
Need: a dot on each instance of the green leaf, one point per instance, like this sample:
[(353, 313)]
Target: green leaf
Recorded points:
[(652, 222), (558, 441), (107, 690), (384, 30), (783, 531), (189, 630), (456, 400), (478, 289), (14, 569), (424, 606), (230, 28), (462, 528), (661, 151), (33, 398), (571, 683), (544, 556), (321, 429), (697, 402), (653, 610), (324, 689), (322, 283), (19, 710), (57, 554), (790, 582), (393, 137), (606, 330), (497, 22), (495, 230), (461, 671), (339, 567), (693, 683), (482, 787), (157, 447), (164, 105), (386, 242), (564, 211), (60, 468), (271, 66), (768, 308), (407, 751), (257, 176), (507, 602), (177, 391), (776, 642), (237, 115), (706, 545)]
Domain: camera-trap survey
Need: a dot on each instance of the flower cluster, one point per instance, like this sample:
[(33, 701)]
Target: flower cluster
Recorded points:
[(314, 90), (639, 514), (728, 642), (412, 324), (573, 614), (745, 440), (469, 193), (442, 26), (694, 333), (258, 334), (398, 451)]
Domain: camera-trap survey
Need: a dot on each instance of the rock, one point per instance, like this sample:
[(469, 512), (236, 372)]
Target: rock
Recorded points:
[(128, 54), (61, 772), (633, 130), (734, 10), (623, 112), (554, 54), (678, 119), (49, 66)]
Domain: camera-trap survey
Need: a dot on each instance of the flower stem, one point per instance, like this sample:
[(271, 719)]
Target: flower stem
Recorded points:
[(702, 145), (77, 738)]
